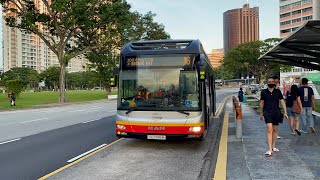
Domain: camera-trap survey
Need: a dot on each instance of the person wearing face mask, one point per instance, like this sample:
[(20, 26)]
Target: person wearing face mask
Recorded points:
[(270, 111), (277, 83)]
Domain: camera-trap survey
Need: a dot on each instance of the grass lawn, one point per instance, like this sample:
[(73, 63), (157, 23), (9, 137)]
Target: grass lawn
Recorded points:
[(255, 105), (318, 106), (30, 99)]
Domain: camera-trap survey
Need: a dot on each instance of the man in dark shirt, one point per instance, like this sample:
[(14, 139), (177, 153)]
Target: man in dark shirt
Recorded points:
[(308, 105), (269, 105), (277, 83)]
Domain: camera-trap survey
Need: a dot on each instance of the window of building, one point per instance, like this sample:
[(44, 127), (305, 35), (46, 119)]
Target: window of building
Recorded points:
[(296, 12), (296, 4), (296, 20), (288, 6), (286, 31), (307, 18), (306, 1), (307, 9), (285, 15), (285, 23)]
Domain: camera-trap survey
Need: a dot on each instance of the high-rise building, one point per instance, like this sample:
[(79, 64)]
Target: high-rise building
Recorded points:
[(293, 13), (240, 25), (21, 49), (216, 56)]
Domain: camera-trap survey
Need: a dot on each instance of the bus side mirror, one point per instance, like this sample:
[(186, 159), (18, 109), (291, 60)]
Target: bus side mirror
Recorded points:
[(202, 68), (113, 80)]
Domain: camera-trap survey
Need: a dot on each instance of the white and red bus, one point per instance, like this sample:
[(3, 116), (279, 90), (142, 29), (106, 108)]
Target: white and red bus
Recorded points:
[(166, 90)]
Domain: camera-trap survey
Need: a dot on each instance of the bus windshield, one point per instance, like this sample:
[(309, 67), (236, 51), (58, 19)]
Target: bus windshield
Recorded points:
[(158, 88)]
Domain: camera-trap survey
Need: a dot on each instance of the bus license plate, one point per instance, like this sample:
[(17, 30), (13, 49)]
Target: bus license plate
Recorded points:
[(158, 137)]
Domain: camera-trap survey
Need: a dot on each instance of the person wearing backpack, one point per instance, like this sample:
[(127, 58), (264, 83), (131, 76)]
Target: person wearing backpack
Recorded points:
[(294, 109), (308, 105)]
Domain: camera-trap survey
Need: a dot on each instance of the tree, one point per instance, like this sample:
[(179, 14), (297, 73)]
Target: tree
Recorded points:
[(30, 77), (105, 58), (16, 86), (69, 28), (103, 61), (51, 77), (74, 80), (245, 56), (223, 73), (143, 28)]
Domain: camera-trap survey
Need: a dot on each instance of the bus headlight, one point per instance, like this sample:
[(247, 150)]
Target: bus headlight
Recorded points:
[(122, 127), (195, 129)]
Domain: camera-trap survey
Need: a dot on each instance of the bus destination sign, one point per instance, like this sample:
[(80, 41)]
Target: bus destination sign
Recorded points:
[(148, 61)]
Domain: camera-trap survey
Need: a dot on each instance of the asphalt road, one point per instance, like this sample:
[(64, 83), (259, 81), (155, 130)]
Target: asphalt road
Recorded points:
[(36, 142)]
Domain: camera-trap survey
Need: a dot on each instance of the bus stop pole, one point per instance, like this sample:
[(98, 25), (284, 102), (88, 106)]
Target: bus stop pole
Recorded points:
[(239, 122)]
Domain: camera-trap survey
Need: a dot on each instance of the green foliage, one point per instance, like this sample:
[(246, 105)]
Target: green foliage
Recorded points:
[(142, 27), (51, 77), (15, 86), (244, 59), (28, 76), (71, 28), (83, 80), (223, 73), (317, 106)]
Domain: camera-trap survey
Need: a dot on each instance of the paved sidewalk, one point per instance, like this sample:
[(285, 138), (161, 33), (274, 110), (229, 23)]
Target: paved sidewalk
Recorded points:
[(299, 156)]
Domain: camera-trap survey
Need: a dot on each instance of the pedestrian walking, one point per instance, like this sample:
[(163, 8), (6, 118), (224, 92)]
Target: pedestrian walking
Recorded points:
[(270, 111), (12, 99), (308, 105), (240, 96), (294, 109), (277, 83)]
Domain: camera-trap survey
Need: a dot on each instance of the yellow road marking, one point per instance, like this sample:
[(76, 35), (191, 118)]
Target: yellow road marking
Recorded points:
[(155, 124), (221, 106), (221, 166), (77, 161)]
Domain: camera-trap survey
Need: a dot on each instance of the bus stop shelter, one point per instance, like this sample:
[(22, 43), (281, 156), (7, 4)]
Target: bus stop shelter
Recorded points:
[(302, 48)]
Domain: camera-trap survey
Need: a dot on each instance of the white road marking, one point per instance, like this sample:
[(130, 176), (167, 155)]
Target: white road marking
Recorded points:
[(91, 121), (33, 120), (86, 109), (113, 111), (10, 141), (88, 152)]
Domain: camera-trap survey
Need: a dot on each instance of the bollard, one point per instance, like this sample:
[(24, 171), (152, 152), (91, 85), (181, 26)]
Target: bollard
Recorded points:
[(235, 104), (239, 122)]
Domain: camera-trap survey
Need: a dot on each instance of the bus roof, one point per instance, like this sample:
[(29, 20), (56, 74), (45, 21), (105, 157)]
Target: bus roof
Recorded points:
[(163, 47)]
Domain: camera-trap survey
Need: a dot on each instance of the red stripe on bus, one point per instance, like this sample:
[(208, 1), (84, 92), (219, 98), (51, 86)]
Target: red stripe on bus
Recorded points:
[(159, 129)]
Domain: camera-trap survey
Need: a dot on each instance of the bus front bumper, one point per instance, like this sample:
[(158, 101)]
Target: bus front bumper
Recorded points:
[(170, 132)]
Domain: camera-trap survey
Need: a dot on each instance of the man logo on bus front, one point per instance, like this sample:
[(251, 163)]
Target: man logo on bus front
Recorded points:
[(156, 128)]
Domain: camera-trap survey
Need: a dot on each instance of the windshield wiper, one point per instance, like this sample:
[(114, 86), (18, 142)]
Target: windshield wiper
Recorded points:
[(183, 112), (130, 110)]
